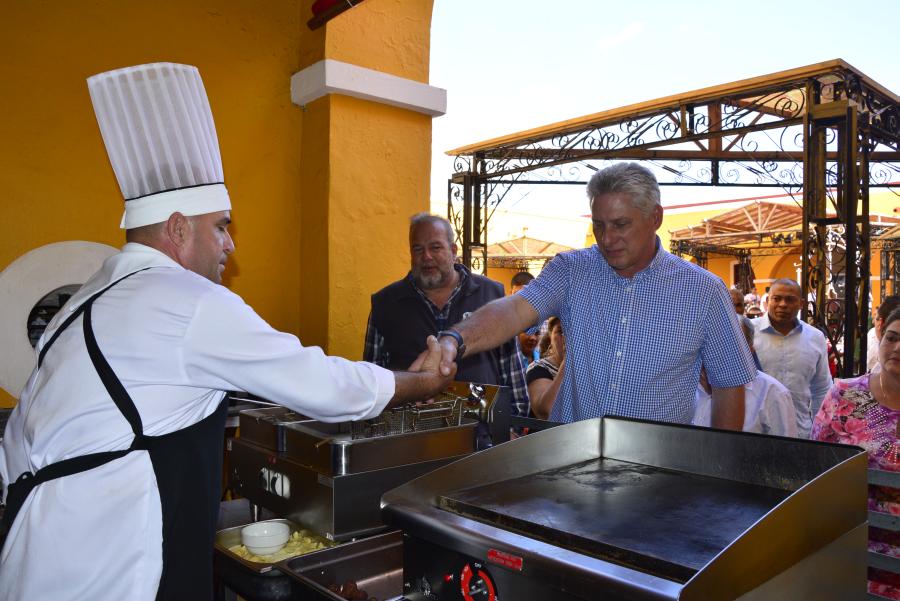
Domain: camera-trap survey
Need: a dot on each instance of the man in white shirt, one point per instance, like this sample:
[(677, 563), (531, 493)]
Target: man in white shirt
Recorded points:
[(768, 406), (793, 352)]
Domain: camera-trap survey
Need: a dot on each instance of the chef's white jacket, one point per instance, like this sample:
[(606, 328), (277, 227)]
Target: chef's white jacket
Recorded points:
[(176, 341)]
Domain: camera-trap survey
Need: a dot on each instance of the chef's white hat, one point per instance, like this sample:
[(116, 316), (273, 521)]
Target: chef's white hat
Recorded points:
[(161, 140)]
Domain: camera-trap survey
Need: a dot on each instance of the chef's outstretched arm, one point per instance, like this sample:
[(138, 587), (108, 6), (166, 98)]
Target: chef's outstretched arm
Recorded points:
[(488, 327), (425, 379)]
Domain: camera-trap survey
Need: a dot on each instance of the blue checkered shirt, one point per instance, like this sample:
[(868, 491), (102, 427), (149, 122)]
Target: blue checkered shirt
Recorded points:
[(634, 346)]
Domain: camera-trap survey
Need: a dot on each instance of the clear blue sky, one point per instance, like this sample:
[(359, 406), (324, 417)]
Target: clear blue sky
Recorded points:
[(510, 65)]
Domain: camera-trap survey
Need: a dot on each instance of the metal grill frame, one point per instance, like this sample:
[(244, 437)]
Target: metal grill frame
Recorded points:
[(447, 412)]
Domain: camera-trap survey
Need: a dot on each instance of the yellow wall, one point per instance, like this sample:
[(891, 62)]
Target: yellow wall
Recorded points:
[(56, 180), (321, 196), (378, 180), (392, 36), (722, 268), (875, 271), (503, 275), (373, 162)]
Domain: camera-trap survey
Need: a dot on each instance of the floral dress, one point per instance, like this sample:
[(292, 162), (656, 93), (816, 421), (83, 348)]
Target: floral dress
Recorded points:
[(851, 415)]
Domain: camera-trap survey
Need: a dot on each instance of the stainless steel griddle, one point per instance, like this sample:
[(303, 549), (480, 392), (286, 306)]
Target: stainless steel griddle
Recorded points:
[(660, 521), (615, 508)]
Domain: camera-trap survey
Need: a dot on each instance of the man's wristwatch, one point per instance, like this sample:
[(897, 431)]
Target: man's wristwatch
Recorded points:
[(460, 345)]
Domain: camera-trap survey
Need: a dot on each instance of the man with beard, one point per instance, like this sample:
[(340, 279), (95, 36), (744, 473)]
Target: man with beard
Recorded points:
[(437, 293)]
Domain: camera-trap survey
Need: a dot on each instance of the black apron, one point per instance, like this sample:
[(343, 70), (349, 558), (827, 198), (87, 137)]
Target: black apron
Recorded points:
[(188, 468)]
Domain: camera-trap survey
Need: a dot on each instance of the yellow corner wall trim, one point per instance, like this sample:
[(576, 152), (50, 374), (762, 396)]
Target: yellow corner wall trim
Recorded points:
[(329, 76)]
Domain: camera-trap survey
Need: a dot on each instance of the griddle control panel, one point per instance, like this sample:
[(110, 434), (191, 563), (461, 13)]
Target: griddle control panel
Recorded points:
[(449, 578), (432, 572)]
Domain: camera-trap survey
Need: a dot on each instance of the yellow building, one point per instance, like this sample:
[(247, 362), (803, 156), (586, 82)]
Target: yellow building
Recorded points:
[(325, 137), (770, 229)]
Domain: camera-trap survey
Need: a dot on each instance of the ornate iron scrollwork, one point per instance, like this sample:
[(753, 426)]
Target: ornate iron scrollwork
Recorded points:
[(791, 136)]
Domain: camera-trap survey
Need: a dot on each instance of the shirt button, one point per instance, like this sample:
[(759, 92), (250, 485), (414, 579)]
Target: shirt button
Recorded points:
[(618, 353), (624, 320), (612, 386), (627, 288)]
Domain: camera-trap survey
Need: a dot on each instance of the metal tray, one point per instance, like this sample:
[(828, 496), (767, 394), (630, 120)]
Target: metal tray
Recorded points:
[(330, 450), (230, 537), (374, 563), (265, 427)]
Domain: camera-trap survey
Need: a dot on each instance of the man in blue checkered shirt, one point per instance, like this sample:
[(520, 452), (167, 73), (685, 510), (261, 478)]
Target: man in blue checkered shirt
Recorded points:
[(639, 321)]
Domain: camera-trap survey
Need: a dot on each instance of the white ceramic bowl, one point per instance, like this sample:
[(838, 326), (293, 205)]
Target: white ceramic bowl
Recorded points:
[(265, 538)]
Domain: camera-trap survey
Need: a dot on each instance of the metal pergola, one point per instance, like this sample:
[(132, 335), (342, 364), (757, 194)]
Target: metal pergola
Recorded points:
[(824, 133), (523, 253)]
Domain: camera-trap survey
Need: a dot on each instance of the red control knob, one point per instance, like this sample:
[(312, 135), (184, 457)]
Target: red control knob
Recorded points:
[(476, 584)]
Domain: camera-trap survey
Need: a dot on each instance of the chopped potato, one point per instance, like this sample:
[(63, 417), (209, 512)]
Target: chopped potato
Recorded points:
[(299, 543)]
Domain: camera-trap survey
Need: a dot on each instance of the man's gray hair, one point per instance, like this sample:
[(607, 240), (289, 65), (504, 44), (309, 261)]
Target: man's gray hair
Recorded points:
[(631, 179), (427, 218)]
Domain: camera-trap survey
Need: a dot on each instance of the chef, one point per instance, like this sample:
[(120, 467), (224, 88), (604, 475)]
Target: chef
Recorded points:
[(114, 449)]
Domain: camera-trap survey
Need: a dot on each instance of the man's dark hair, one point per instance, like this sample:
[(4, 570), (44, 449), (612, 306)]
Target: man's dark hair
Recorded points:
[(887, 306), (891, 318), (521, 278), (789, 283)]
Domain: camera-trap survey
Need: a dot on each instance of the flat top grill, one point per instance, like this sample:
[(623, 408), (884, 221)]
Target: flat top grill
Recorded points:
[(632, 509), (664, 522)]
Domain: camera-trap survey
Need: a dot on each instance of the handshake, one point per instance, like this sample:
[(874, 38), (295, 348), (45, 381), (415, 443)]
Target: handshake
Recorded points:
[(429, 374), (439, 356)]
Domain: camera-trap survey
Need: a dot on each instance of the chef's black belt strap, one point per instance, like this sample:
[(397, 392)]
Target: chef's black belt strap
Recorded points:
[(74, 315), (19, 490)]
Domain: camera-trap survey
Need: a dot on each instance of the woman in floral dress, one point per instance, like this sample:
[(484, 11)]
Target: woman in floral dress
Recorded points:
[(865, 411)]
